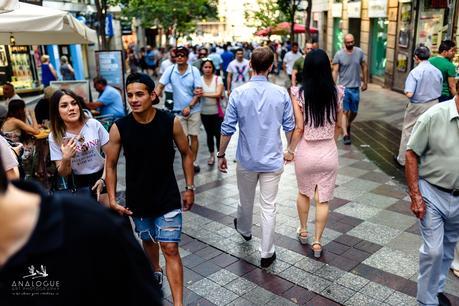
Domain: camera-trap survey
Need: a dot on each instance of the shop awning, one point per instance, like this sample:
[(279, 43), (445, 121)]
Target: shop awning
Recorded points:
[(284, 28), (31, 24)]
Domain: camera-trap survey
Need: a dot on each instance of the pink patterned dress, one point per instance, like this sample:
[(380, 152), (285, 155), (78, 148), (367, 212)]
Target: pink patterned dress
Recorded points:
[(316, 156)]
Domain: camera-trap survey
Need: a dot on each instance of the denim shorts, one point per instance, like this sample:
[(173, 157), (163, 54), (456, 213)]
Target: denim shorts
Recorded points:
[(351, 99), (166, 228)]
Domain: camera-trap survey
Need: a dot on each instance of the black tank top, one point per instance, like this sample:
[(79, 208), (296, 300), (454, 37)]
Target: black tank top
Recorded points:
[(151, 186)]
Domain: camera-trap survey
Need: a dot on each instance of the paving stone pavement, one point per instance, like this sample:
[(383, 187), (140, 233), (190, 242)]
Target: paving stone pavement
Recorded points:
[(370, 244)]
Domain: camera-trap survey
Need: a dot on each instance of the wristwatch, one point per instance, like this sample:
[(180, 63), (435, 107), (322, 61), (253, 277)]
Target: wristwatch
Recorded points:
[(190, 187)]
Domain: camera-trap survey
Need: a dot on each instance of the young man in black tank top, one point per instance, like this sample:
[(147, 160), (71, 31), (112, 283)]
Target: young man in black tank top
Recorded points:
[(152, 195)]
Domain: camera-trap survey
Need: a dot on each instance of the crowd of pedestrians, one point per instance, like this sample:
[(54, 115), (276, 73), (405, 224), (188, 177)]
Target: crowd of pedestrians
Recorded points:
[(228, 90)]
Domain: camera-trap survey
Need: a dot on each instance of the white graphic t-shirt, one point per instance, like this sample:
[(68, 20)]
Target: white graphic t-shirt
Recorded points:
[(88, 158), (240, 71)]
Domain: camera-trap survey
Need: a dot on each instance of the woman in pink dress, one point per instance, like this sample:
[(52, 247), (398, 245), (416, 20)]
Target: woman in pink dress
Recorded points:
[(318, 116)]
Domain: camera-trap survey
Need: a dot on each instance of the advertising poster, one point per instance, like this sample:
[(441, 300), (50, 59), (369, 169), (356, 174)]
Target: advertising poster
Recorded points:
[(110, 66)]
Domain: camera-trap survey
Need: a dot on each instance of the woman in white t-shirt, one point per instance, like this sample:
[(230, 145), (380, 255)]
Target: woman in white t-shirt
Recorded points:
[(211, 111), (75, 144)]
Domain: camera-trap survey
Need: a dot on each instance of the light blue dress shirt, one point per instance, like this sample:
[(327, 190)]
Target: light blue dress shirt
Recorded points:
[(425, 81), (260, 108), (183, 86)]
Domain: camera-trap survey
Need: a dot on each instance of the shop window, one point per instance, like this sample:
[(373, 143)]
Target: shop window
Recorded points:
[(431, 30)]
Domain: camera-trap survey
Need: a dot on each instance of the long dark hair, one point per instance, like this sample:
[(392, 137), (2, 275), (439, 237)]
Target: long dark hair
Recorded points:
[(58, 127), (320, 94)]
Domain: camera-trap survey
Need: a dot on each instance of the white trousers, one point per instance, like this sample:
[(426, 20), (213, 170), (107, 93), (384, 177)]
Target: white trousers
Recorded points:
[(269, 184), (455, 264)]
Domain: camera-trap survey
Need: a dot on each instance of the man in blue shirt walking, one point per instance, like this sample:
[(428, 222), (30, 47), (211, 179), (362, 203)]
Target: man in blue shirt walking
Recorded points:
[(261, 109), (227, 57), (423, 87)]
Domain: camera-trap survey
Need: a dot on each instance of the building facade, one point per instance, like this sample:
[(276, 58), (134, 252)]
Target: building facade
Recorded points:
[(388, 32)]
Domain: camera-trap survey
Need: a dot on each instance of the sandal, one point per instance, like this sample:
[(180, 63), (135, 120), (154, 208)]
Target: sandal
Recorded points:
[(211, 161), (317, 253), (302, 235)]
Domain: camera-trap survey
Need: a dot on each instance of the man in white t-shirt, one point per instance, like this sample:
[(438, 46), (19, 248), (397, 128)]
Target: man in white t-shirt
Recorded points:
[(290, 58), (238, 71), (169, 96)]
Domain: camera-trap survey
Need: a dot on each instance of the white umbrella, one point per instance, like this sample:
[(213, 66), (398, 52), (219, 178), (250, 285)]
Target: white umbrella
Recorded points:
[(37, 25)]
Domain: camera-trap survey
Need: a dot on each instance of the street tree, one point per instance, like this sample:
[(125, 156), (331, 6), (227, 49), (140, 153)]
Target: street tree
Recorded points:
[(175, 17), (290, 8), (267, 14), (102, 9)]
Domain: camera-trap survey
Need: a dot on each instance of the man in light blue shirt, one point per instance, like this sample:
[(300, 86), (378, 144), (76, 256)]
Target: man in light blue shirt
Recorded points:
[(110, 102), (187, 88), (261, 109), (423, 87), (216, 59)]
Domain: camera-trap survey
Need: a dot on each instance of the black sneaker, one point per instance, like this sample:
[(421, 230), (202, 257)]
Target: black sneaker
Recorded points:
[(443, 300), (158, 278), (266, 262), (347, 140), (246, 238)]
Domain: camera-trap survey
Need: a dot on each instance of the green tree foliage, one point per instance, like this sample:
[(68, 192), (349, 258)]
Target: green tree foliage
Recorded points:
[(289, 8), (179, 17), (266, 15)]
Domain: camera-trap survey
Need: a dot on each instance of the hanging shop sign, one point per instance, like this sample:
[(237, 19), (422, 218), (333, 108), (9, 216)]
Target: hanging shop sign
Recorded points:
[(377, 8), (353, 9), (337, 10)]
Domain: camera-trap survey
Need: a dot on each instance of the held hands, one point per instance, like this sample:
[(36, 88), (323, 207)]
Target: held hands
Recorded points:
[(69, 149), (188, 199), (288, 157), (418, 207), (198, 92)]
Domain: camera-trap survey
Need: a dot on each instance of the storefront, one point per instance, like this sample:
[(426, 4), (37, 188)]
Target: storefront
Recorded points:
[(422, 21), (378, 43), (338, 36), (20, 66)]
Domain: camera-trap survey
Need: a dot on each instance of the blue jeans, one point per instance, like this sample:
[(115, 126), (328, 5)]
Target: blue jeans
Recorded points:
[(166, 228), (440, 232), (351, 99)]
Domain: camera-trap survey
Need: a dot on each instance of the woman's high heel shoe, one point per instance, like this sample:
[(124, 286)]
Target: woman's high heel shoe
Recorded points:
[(317, 253)]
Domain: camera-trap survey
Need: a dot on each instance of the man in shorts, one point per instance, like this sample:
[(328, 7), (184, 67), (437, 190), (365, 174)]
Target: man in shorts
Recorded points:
[(348, 63), (187, 88), (147, 137)]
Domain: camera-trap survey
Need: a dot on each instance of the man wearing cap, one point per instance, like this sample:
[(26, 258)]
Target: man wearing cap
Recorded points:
[(187, 88), (432, 167), (423, 87), (147, 136)]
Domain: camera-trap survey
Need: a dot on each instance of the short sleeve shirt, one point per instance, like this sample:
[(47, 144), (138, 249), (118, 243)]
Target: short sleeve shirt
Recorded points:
[(438, 155), (88, 158), (424, 81), (240, 72), (290, 59), (349, 66), (209, 105), (112, 101), (183, 86), (447, 69), (8, 159)]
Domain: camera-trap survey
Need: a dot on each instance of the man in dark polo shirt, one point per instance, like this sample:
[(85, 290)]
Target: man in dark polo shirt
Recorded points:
[(432, 168), (61, 250), (147, 137)]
